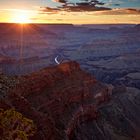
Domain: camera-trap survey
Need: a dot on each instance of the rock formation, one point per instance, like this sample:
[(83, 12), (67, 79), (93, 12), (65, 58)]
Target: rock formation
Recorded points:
[(65, 102)]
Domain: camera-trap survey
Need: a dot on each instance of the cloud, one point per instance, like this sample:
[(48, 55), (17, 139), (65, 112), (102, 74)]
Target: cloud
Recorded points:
[(48, 19), (114, 3), (60, 1), (121, 11), (49, 10), (81, 6)]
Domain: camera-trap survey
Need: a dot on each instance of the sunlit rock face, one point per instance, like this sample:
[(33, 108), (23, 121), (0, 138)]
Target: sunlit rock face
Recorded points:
[(65, 102)]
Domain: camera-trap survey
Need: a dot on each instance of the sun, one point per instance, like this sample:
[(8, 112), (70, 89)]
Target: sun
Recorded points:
[(22, 17)]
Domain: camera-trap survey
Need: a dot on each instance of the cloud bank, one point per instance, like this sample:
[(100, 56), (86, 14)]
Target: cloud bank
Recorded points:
[(81, 6)]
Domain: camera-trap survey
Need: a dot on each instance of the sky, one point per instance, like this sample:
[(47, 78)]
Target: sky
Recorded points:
[(70, 11)]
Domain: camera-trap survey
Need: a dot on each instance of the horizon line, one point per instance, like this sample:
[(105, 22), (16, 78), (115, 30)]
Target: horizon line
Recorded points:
[(72, 23)]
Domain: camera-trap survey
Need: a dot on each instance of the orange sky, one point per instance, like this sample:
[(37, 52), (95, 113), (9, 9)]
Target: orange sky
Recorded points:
[(30, 11), (34, 16)]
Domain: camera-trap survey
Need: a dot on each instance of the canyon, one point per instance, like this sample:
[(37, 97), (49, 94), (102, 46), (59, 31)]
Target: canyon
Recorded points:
[(66, 102)]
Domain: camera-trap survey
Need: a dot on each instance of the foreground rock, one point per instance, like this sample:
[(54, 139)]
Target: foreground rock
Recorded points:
[(67, 103), (56, 98)]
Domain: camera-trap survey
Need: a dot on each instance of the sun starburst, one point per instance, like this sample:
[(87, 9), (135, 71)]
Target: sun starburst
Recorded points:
[(22, 17)]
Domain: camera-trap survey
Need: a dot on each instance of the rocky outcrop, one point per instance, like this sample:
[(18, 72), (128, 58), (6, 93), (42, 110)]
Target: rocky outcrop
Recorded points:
[(57, 99), (65, 102), (117, 120)]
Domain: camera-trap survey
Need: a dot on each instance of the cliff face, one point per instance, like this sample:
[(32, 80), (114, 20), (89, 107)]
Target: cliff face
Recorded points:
[(67, 103), (58, 99)]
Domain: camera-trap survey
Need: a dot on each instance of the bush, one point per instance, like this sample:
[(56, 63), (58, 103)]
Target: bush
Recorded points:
[(13, 126)]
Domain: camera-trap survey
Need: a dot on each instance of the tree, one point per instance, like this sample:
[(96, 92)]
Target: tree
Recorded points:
[(13, 126)]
